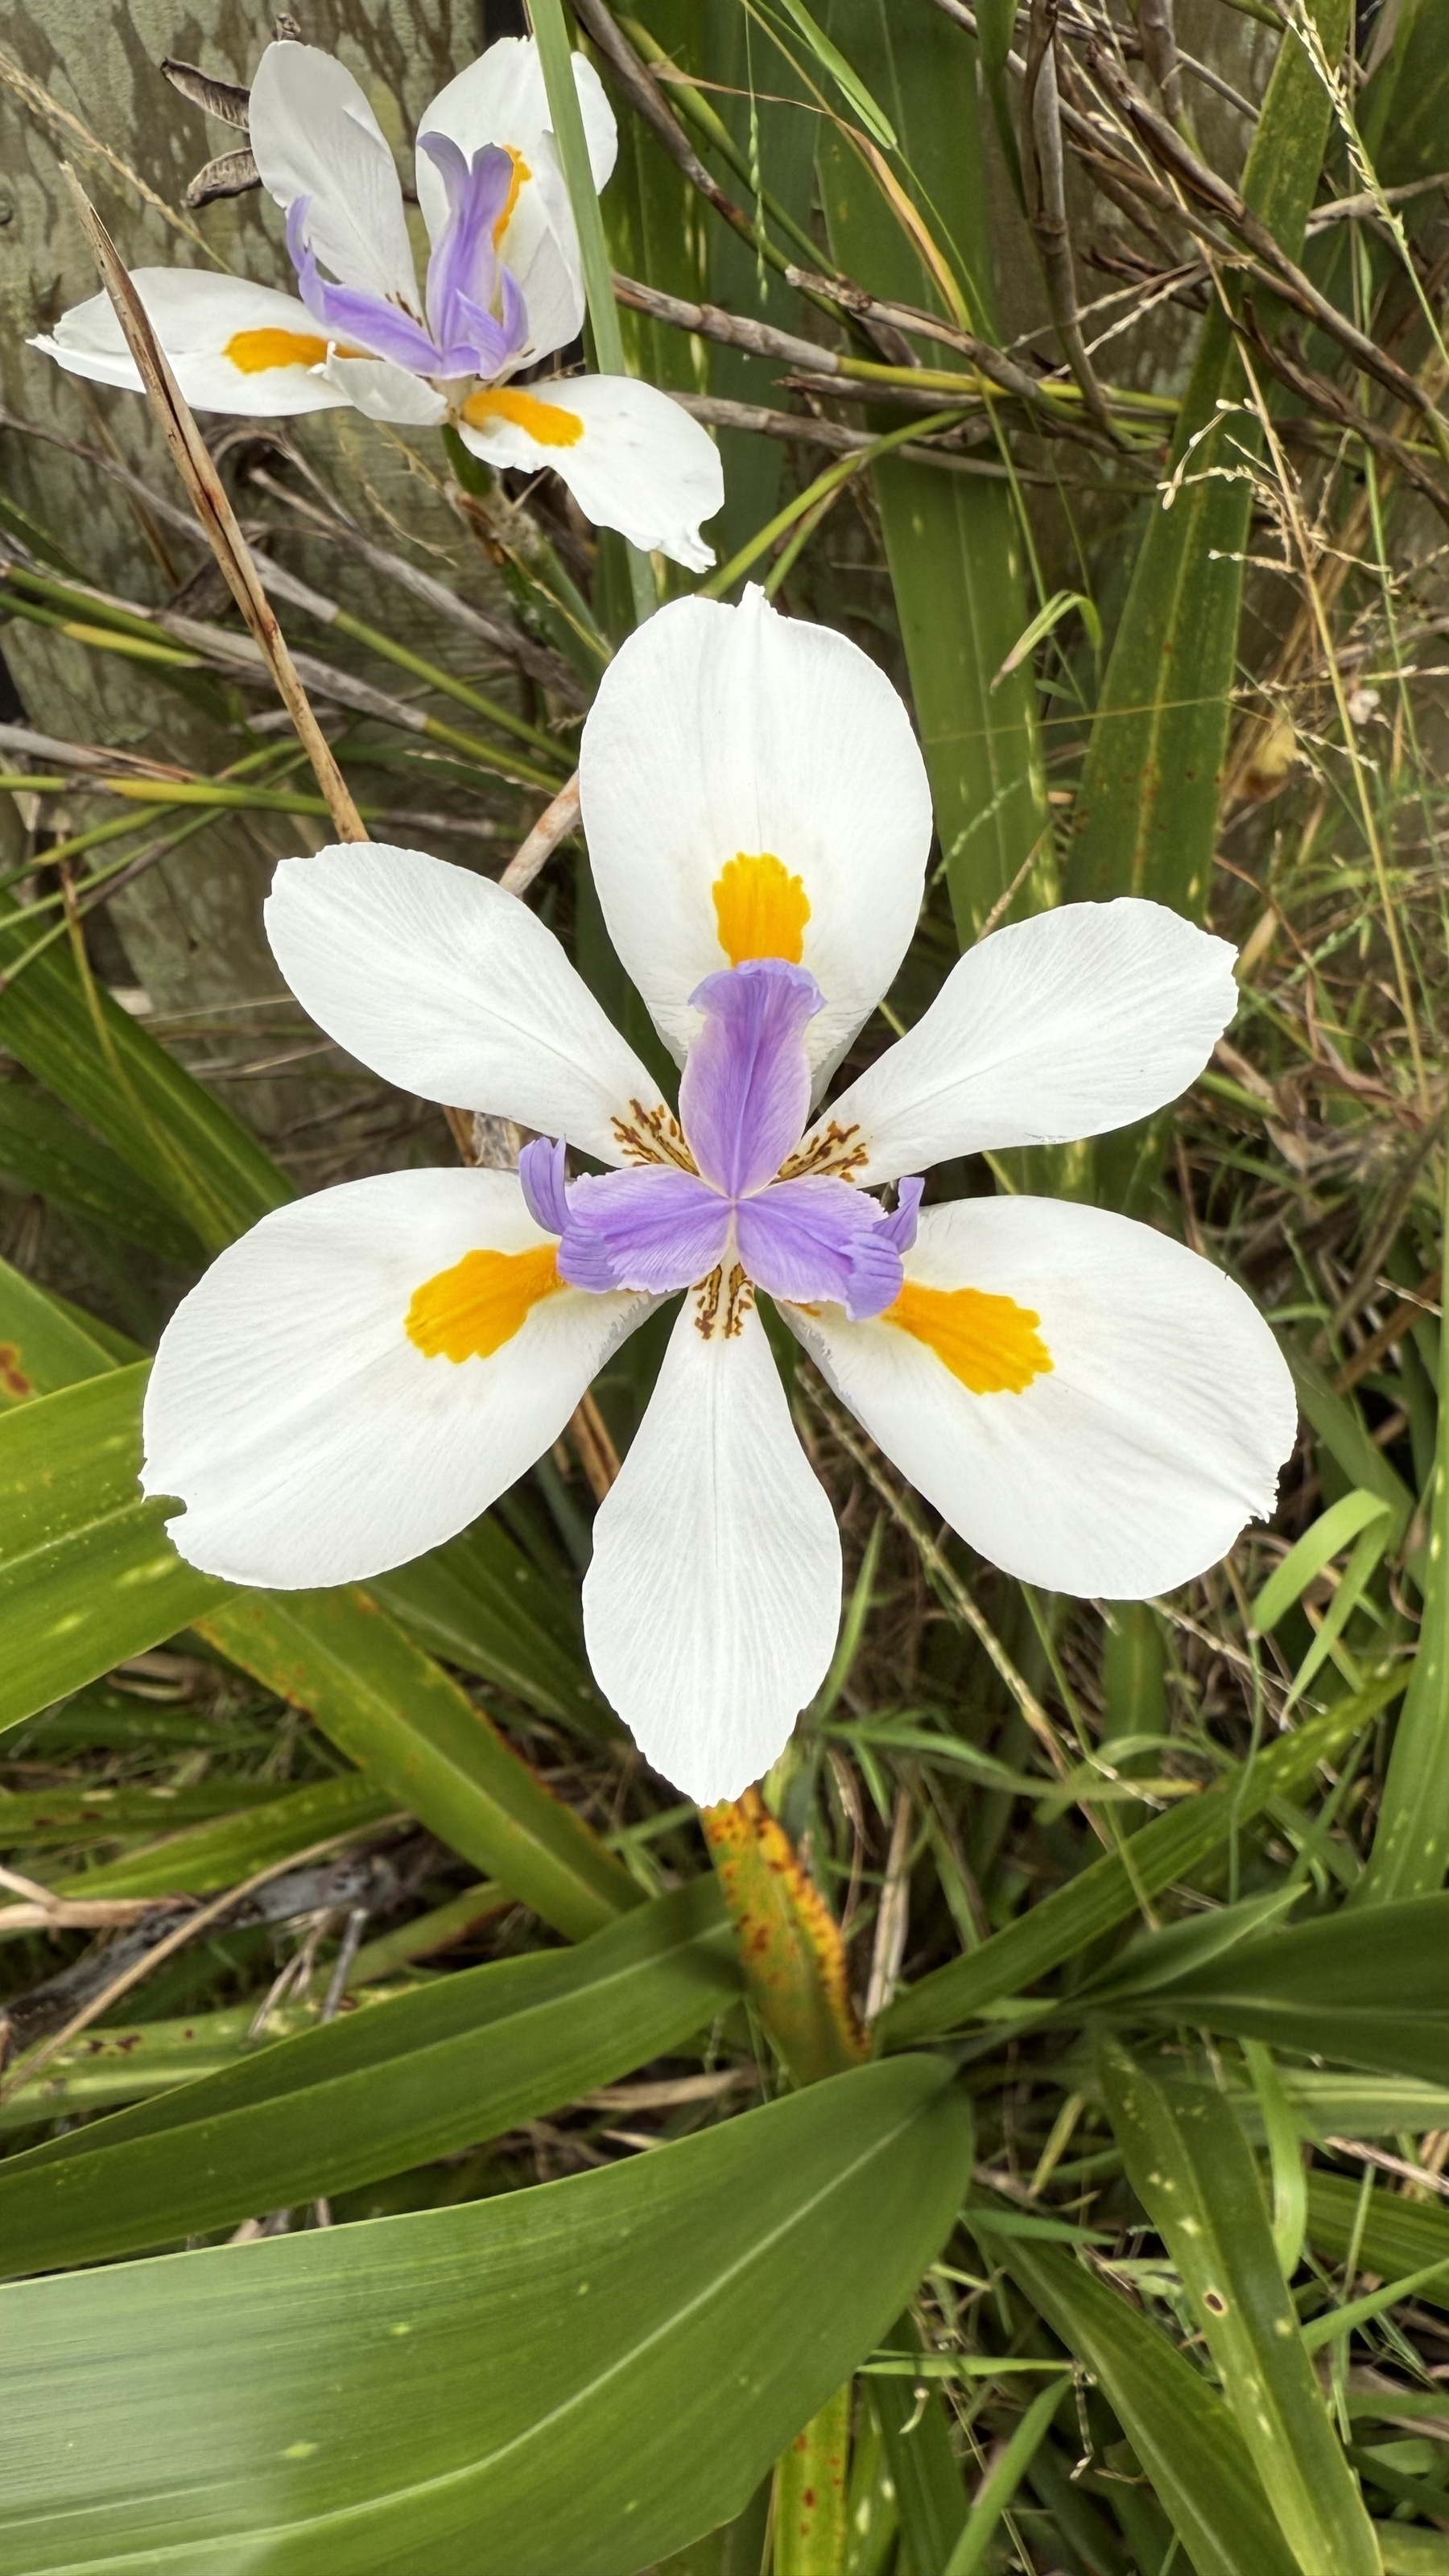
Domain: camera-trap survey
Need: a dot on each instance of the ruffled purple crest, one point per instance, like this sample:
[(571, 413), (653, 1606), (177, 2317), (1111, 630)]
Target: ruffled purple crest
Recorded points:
[(817, 1241), (901, 1225), (656, 1229), (743, 1104)]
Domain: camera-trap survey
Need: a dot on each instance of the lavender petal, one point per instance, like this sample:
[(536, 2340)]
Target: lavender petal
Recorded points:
[(353, 315), (656, 1229), (819, 1242), (541, 1171), (746, 1088)]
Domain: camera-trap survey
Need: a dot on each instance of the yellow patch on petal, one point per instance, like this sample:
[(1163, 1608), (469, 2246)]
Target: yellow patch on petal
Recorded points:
[(253, 352), (990, 1343), (544, 422), (521, 171), (761, 909), (470, 1311)]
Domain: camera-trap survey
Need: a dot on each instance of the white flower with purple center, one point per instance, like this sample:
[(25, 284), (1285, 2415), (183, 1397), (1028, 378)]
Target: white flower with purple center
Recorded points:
[(1089, 1404), (504, 291)]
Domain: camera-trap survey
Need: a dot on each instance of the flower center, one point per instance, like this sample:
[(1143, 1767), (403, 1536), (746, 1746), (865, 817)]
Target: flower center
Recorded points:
[(476, 324), (734, 1222)]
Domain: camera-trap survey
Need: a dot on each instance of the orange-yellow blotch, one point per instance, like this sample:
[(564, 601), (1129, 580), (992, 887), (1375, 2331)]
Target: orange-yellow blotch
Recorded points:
[(990, 1343), (521, 171), (255, 351), (546, 423), (470, 1311), (761, 909)]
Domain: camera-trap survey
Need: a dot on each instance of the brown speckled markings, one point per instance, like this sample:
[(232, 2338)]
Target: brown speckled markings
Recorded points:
[(193, 928), (789, 1941)]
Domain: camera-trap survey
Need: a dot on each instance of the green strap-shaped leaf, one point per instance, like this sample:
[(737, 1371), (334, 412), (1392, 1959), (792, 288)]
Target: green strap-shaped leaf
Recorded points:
[(1396, 2235), (1193, 2171), (1178, 2426), (206, 1858), (1362, 1988), (951, 540), (1111, 1889), (1411, 1842), (42, 1149), (406, 1723), (374, 2092), (87, 1573), (190, 1151), (45, 1344), (568, 2381), (1146, 810), (478, 1602), (88, 1577)]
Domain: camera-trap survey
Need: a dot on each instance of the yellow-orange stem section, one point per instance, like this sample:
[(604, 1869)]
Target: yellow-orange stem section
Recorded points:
[(789, 1941)]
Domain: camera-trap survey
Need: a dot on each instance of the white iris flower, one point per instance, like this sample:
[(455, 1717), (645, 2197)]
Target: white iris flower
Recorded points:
[(504, 290), (1090, 1405)]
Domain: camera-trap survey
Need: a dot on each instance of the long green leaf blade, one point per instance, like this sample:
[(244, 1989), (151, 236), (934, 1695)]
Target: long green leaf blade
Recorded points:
[(1146, 810), (1111, 1889), (374, 2092), (952, 542), (1192, 2169), (1179, 2427), (567, 2381)]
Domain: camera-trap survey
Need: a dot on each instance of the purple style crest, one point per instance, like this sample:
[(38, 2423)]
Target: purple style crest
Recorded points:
[(477, 320), (743, 1101)]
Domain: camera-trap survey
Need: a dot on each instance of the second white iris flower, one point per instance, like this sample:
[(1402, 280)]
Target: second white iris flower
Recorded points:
[(1090, 1405), (504, 290)]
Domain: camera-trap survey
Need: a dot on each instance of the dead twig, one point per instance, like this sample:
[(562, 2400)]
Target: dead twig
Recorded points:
[(554, 825), (27, 2068), (214, 511)]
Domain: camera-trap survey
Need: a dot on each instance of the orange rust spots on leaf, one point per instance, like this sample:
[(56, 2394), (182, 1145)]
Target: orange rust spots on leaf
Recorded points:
[(471, 1310), (810, 2489), (990, 1343), (254, 352), (789, 1941), (760, 908), (546, 423), (12, 1376)]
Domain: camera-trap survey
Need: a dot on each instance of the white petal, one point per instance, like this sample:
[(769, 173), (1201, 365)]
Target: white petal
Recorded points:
[(718, 732), (501, 98), (1055, 1028), (713, 1600), (632, 459), (199, 315), (452, 989), (1133, 1463), (310, 1439), (313, 135), (382, 390)]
